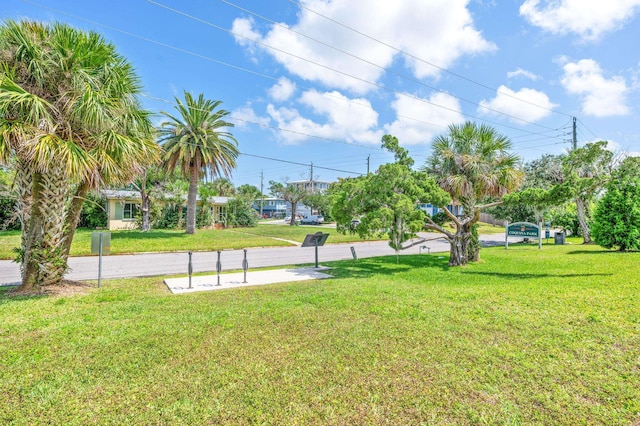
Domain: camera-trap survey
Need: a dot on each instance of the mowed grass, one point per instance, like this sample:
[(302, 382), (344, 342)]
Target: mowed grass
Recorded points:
[(167, 240), (525, 336)]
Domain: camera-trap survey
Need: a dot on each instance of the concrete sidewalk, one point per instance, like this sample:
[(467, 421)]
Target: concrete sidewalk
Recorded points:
[(235, 280)]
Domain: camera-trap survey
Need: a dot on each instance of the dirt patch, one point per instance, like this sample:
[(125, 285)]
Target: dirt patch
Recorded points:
[(66, 288)]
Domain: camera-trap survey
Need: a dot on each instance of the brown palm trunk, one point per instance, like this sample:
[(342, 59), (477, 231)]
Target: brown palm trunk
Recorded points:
[(191, 201)]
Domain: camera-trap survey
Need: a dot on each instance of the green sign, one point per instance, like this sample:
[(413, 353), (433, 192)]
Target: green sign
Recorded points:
[(523, 229)]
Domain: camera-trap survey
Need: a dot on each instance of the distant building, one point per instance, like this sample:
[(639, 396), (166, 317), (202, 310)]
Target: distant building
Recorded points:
[(271, 207), (124, 206), (312, 186), (431, 210)]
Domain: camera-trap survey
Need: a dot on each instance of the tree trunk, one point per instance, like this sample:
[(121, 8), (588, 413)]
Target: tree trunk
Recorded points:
[(191, 201), (145, 207), (44, 262), (473, 247), (581, 210), (294, 206), (73, 216), (458, 252)]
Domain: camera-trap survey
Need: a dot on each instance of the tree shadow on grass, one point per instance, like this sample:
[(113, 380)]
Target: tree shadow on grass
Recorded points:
[(603, 251), (386, 265), (532, 275)]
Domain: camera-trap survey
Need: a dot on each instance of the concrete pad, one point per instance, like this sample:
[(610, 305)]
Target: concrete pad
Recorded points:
[(210, 282)]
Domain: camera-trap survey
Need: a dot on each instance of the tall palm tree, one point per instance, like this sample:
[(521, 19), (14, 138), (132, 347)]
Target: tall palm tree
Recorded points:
[(473, 165), (70, 120), (195, 142)]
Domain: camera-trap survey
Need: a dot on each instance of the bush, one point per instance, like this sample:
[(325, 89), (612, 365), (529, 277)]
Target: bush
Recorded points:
[(94, 212), (8, 217), (616, 221), (240, 213)]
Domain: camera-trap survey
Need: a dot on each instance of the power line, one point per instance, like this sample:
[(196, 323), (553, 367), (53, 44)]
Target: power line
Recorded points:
[(398, 74), (300, 5), (379, 86)]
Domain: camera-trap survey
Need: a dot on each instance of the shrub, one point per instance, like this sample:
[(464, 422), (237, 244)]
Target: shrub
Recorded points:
[(616, 221)]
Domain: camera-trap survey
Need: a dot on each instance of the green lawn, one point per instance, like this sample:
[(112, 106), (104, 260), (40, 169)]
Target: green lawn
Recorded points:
[(525, 336), (176, 240)]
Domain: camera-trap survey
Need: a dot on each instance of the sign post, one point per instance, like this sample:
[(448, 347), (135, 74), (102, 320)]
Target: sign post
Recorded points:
[(523, 229), (100, 244), (315, 240)]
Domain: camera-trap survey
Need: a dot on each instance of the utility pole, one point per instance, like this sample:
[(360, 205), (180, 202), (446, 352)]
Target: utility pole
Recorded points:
[(368, 163), (311, 177), (574, 141), (261, 191)]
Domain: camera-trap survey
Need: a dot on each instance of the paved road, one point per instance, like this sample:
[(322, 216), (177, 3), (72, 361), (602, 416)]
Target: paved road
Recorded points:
[(149, 264)]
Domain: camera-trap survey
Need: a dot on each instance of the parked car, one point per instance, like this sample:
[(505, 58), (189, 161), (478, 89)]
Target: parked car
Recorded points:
[(313, 219), (288, 219)]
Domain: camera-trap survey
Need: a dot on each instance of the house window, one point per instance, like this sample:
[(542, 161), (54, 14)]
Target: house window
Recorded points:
[(129, 211)]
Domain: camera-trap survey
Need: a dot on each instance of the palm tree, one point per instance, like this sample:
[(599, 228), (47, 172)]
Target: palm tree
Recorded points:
[(195, 143), (70, 121), (473, 165)]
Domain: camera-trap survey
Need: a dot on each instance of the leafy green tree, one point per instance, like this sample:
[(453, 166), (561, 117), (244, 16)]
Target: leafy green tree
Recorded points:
[(543, 173), (249, 191), (223, 187), (616, 220), (290, 193), (69, 121), (240, 212), (386, 201), (473, 164), (319, 202), (587, 170), (151, 184), (195, 143)]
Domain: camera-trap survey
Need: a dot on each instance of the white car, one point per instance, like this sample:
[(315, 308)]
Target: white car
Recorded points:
[(314, 219)]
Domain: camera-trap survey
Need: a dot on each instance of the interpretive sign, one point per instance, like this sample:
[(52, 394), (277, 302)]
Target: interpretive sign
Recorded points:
[(315, 240), (523, 229)]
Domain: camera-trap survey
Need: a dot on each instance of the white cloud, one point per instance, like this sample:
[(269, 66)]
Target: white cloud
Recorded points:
[(589, 19), (525, 105), (245, 116), (244, 34), (601, 97), (437, 31), (344, 119), (282, 90), (523, 73), (419, 120)]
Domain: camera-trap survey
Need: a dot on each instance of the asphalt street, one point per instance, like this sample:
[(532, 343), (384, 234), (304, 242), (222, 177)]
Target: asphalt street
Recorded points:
[(152, 264)]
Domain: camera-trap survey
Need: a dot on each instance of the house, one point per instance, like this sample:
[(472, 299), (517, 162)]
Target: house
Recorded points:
[(271, 206), (431, 210), (123, 207)]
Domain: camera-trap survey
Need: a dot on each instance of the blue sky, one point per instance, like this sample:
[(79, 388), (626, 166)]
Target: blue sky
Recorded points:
[(321, 81)]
